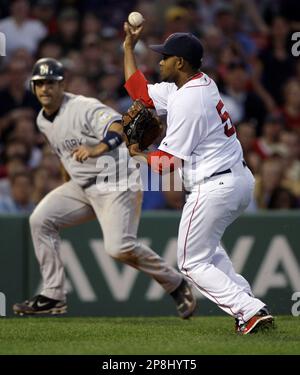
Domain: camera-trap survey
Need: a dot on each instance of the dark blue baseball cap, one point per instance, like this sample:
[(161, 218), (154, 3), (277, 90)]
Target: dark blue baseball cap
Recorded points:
[(185, 45)]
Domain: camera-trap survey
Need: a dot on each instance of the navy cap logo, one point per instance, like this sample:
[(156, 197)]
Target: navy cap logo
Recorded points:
[(44, 69)]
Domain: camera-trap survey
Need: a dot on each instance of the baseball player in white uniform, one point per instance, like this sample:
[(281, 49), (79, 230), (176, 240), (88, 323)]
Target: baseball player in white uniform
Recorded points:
[(82, 131), (201, 141)]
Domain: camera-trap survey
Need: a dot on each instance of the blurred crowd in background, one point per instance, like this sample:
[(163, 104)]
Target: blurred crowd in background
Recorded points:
[(247, 46)]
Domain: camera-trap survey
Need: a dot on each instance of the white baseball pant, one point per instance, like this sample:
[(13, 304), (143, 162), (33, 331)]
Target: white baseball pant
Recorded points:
[(210, 208), (118, 214)]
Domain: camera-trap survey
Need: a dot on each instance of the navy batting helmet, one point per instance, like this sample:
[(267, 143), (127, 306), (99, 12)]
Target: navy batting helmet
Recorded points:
[(47, 68)]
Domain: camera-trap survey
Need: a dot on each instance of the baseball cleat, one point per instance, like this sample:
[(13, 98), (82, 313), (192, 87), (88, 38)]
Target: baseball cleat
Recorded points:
[(184, 300), (40, 305), (261, 321)]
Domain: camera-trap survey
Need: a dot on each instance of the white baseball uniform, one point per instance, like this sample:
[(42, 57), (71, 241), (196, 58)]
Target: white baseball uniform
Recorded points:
[(82, 120), (199, 131)]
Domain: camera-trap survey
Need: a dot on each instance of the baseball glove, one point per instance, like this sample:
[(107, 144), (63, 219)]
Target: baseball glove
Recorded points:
[(140, 125)]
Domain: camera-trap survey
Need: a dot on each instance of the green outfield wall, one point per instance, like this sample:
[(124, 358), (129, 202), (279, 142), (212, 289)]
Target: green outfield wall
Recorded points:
[(264, 247)]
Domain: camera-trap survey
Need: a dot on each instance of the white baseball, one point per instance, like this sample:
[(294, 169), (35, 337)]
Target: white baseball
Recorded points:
[(135, 19)]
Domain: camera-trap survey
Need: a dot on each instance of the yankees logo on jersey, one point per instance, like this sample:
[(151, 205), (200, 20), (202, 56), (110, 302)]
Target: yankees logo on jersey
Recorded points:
[(82, 121)]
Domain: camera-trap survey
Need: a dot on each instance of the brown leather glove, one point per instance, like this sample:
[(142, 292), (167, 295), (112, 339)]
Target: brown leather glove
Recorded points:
[(141, 126)]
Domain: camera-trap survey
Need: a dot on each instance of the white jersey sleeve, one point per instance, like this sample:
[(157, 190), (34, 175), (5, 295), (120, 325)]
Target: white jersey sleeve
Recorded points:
[(159, 94)]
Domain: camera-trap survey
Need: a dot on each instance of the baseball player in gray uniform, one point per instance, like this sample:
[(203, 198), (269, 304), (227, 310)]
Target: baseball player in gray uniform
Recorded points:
[(83, 131)]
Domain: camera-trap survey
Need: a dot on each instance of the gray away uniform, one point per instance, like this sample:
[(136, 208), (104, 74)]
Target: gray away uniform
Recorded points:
[(82, 120)]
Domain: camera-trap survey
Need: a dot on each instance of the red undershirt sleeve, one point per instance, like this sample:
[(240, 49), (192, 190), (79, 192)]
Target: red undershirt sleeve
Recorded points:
[(161, 162), (136, 86)]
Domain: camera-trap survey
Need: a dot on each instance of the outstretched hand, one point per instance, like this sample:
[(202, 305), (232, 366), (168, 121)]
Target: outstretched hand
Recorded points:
[(132, 34)]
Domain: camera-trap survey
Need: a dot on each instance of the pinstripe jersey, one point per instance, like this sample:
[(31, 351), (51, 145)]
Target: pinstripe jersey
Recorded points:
[(83, 121)]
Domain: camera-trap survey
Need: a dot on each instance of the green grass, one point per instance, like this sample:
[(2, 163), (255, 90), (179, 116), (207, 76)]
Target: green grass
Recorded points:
[(163, 335)]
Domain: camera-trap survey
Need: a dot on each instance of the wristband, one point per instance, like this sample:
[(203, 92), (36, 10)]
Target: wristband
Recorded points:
[(112, 140)]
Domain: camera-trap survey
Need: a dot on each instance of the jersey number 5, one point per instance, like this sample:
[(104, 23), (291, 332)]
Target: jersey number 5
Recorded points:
[(229, 128)]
